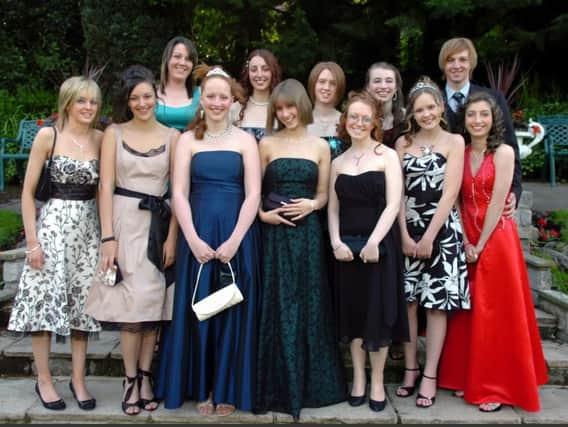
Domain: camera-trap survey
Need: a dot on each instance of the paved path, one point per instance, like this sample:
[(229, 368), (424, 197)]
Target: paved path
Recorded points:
[(20, 404), (546, 197)]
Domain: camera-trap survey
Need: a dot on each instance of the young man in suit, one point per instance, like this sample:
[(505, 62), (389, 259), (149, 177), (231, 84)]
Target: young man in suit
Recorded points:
[(457, 60)]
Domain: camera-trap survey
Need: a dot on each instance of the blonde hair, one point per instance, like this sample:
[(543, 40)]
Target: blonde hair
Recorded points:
[(292, 92), (338, 75), (453, 46), (70, 91)]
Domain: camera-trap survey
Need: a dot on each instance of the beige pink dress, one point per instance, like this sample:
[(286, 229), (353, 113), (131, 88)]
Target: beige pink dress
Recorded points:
[(141, 299)]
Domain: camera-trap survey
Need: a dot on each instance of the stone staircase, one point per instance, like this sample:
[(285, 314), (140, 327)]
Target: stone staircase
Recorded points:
[(104, 357)]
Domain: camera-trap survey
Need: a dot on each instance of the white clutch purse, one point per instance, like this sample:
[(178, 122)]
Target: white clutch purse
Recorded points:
[(218, 301)]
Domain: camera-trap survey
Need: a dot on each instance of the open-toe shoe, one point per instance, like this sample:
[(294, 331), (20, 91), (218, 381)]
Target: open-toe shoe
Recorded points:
[(408, 390)]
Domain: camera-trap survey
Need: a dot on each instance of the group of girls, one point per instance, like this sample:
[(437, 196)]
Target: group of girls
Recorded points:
[(385, 177)]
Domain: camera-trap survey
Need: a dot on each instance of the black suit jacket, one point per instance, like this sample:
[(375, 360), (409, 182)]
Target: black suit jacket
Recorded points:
[(510, 138)]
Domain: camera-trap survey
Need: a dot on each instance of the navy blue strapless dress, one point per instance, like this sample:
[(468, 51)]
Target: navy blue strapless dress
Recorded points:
[(217, 355)]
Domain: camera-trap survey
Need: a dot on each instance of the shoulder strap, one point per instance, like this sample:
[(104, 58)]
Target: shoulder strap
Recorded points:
[(53, 146), (196, 284)]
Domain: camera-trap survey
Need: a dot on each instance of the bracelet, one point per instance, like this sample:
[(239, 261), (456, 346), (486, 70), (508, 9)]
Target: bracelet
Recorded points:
[(337, 247), (107, 239), (313, 205), (35, 248), (466, 244)]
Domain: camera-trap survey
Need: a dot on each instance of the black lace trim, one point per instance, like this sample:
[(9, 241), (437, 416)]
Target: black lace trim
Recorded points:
[(150, 153), (132, 327)]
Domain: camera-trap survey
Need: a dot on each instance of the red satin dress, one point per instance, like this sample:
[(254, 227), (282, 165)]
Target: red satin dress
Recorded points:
[(493, 352)]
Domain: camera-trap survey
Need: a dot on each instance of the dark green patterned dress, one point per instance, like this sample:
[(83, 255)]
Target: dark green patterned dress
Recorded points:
[(299, 364)]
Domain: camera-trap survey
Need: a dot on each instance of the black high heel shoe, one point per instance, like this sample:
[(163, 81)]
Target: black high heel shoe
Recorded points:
[(144, 402), (85, 405), (131, 381), (409, 389), (356, 400), (377, 405), (57, 405)]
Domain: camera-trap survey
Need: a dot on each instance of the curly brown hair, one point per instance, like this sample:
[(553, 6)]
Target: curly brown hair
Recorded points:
[(365, 98), (496, 135)]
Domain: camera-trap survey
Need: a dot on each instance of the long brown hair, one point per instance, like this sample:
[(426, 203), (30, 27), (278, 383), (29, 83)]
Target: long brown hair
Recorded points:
[(424, 85), (244, 79), (167, 54)]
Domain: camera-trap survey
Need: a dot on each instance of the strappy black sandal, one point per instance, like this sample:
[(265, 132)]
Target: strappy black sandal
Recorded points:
[(409, 389), (145, 402), (131, 381), (421, 396)]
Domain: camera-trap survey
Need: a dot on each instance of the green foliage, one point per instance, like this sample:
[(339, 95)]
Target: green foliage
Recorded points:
[(295, 44), (560, 217), (27, 102), (11, 229), (559, 279), (119, 34)]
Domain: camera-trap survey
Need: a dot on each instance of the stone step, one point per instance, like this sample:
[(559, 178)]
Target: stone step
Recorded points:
[(20, 404), (547, 324), (104, 359)]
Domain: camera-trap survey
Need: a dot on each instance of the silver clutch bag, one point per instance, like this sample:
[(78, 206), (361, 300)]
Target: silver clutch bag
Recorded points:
[(108, 276)]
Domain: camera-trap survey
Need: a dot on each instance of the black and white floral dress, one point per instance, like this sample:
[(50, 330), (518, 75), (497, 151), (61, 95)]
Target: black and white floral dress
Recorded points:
[(441, 281), (53, 298)]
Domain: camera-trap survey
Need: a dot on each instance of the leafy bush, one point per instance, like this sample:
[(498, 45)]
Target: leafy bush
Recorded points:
[(11, 229), (559, 279), (26, 102)]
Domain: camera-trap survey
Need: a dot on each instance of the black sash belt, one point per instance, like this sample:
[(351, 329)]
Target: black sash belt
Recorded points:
[(159, 227), (64, 191)]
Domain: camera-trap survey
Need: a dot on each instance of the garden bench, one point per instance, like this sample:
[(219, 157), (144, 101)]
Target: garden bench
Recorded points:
[(555, 139), (27, 131)]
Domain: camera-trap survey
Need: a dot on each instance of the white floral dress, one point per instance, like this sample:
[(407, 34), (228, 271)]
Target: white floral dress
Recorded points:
[(441, 281), (53, 298)]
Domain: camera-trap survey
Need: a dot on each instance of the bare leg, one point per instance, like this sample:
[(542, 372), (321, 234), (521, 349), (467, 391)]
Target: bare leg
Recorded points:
[(79, 343), (41, 347), (358, 358), (130, 347), (378, 359), (145, 363), (435, 335), (410, 360)]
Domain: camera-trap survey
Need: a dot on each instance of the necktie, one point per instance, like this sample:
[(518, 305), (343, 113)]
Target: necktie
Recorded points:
[(458, 98)]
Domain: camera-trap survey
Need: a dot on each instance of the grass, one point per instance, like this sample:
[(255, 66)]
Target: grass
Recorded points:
[(11, 229)]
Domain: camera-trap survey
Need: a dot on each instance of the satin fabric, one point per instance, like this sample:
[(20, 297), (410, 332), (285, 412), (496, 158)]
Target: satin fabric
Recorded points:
[(217, 355), (493, 352)]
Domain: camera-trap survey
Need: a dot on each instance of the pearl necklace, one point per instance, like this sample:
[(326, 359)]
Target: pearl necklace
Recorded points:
[(215, 136), (258, 103)]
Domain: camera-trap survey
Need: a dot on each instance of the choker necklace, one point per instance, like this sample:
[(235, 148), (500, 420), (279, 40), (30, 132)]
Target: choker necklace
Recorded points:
[(215, 136), (258, 103)]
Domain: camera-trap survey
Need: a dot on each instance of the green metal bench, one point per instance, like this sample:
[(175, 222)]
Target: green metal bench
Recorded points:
[(27, 132), (555, 139)]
